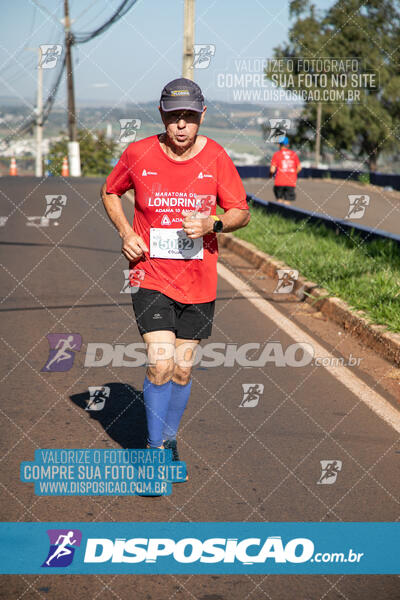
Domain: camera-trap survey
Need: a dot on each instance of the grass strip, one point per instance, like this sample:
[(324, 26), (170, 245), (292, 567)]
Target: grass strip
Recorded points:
[(364, 274)]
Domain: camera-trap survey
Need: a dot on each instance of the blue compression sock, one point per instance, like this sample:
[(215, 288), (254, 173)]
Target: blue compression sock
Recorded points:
[(177, 404), (156, 401)]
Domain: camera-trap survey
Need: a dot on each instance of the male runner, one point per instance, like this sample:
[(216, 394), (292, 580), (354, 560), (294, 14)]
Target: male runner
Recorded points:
[(285, 164), (178, 177)]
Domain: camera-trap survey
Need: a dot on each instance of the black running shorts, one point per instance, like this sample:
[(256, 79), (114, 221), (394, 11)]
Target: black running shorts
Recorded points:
[(154, 312), (285, 192)]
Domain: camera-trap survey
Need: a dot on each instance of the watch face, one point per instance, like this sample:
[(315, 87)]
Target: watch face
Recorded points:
[(218, 225)]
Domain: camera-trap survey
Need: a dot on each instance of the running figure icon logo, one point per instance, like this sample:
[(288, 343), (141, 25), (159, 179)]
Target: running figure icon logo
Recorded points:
[(132, 279), (128, 129), (50, 53), (203, 54), (54, 206), (62, 547), (286, 281), (278, 130), (330, 470), (251, 394), (357, 206), (62, 351), (98, 396)]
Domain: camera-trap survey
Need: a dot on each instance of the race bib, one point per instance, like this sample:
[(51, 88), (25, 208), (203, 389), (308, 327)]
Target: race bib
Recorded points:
[(174, 243)]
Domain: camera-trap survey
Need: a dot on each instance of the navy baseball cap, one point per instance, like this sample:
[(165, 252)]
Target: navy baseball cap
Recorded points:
[(182, 94)]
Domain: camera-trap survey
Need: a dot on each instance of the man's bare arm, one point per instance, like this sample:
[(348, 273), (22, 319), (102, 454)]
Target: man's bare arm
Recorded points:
[(133, 246), (232, 219)]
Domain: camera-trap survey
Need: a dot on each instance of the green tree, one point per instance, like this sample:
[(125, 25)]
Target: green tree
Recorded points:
[(96, 153), (366, 31)]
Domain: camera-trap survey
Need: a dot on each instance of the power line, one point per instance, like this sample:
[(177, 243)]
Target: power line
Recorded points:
[(122, 10), (76, 38), (47, 106)]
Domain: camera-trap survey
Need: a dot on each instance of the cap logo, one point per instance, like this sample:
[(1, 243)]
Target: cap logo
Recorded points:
[(180, 93)]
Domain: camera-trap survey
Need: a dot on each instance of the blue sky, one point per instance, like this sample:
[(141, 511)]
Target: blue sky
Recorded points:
[(143, 51)]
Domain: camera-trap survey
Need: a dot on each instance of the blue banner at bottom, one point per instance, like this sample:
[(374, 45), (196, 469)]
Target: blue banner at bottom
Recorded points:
[(200, 548)]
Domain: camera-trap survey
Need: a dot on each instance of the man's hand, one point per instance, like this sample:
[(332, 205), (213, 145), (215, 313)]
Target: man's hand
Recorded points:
[(196, 226), (133, 247)]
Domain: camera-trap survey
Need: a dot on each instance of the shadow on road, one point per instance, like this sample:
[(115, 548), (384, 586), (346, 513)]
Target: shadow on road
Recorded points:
[(123, 416)]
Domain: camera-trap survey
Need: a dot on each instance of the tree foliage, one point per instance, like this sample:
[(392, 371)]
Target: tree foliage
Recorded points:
[(96, 153), (367, 31)]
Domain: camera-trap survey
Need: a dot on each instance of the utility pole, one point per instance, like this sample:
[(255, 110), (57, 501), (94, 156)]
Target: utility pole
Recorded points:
[(318, 135), (39, 120), (73, 145), (188, 39)]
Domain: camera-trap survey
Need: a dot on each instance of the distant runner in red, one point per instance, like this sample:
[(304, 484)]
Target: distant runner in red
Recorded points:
[(285, 164), (179, 178)]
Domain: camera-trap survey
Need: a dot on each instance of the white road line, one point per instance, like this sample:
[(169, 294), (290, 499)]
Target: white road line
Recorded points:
[(372, 399)]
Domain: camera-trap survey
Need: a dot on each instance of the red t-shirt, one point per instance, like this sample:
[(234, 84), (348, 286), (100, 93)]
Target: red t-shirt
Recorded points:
[(286, 162), (163, 189)]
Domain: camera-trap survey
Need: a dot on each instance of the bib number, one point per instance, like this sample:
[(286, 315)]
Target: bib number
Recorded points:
[(174, 243)]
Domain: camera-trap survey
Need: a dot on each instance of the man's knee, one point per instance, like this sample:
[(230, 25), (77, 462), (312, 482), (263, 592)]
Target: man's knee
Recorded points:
[(182, 374), (161, 371)]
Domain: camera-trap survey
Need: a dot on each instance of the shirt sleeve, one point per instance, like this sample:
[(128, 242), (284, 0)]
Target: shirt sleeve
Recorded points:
[(274, 160), (230, 189), (119, 180)]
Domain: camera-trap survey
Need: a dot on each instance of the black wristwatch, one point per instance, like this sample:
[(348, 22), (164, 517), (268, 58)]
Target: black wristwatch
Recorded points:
[(218, 224)]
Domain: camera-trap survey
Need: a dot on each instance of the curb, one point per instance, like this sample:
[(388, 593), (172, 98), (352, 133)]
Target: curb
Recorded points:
[(384, 343)]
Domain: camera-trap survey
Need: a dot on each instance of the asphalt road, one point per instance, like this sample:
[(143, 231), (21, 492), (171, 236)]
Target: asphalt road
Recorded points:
[(259, 463), (331, 197)]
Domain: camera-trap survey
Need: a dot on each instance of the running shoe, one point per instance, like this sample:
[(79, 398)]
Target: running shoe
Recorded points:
[(172, 445)]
